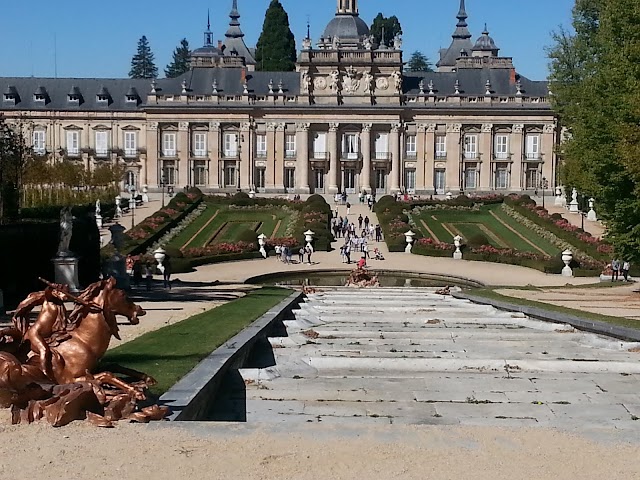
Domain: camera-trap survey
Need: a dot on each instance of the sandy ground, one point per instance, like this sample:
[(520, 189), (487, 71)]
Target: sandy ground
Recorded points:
[(619, 301), (223, 452)]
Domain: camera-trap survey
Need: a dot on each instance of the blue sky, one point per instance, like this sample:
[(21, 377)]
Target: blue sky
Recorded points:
[(98, 39)]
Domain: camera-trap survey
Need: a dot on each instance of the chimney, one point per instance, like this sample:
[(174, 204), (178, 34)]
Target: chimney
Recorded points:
[(243, 76), (219, 44), (512, 76)]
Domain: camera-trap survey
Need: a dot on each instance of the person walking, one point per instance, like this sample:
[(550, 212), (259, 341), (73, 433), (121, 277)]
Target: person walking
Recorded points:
[(148, 273), (366, 222), (378, 233), (625, 270), (166, 274), (360, 221), (278, 252), (347, 252), (301, 255), (348, 208), (615, 269), (309, 250)]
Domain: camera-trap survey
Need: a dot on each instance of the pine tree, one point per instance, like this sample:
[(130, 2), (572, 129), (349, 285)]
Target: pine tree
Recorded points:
[(391, 27), (142, 63), (418, 62), (13, 156), (276, 48), (180, 63)]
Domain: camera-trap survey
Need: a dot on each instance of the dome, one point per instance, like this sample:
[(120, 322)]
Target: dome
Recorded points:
[(485, 42), (346, 26)]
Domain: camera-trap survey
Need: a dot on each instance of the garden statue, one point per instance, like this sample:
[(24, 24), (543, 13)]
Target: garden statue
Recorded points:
[(457, 242), (362, 278), (48, 368), (98, 216), (66, 230), (118, 207), (573, 206), (98, 209)]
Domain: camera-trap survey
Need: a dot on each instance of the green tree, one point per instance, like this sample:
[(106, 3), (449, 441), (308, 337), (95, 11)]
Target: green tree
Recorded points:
[(418, 62), (276, 48), (391, 28), (180, 63), (595, 80), (13, 156), (142, 63)]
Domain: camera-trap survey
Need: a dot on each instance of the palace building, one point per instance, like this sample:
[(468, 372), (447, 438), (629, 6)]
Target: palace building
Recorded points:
[(348, 119)]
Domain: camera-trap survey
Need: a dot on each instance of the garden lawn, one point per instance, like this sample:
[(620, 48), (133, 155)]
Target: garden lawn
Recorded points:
[(228, 223), (444, 224), (170, 353)]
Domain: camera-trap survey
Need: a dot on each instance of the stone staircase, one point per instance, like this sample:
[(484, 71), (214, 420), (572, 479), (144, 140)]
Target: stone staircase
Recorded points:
[(409, 355)]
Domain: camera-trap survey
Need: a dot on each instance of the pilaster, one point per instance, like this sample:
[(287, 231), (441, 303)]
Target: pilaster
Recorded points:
[(270, 184), (280, 153), (517, 157), (302, 161), (246, 141), (454, 163), (150, 175), (394, 143), (213, 142), (547, 143), (333, 157), (184, 153), (486, 156), (365, 140)]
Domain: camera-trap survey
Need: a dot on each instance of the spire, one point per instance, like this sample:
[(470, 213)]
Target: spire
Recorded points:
[(234, 25), (461, 27), (208, 35)]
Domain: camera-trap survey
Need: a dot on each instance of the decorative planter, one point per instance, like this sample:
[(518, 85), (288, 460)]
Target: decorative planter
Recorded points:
[(262, 240), (160, 255), (457, 242), (409, 237), (567, 256)]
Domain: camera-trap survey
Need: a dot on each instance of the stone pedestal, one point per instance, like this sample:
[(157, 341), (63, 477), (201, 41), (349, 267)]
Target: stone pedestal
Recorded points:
[(116, 267), (457, 255), (99, 220), (66, 272), (591, 216)]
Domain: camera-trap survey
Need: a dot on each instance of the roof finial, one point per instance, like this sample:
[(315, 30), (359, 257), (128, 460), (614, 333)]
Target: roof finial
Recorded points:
[(308, 28), (486, 30), (208, 20), (462, 13)]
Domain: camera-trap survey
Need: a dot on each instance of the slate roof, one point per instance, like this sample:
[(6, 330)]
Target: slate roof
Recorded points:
[(234, 40), (58, 89), (347, 27), (461, 43)]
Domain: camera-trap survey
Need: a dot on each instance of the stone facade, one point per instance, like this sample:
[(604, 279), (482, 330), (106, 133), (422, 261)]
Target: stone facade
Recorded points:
[(348, 119)]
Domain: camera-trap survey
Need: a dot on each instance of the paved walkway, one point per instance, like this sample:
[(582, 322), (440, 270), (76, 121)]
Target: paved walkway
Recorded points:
[(486, 273), (597, 229)]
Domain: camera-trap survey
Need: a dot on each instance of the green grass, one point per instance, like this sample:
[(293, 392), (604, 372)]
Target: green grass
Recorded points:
[(469, 224), (237, 220), (170, 353), (596, 317)]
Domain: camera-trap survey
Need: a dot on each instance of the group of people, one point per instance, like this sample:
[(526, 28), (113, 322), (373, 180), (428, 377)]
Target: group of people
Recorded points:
[(343, 229), (620, 268), (285, 254), (363, 197), (140, 268)]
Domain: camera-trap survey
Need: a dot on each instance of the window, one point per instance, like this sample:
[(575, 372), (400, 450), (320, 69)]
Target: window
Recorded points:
[(290, 146), (502, 147), (320, 146), (382, 146), (289, 178), (103, 98), (411, 147), (169, 172), (200, 173), (73, 142), (130, 144), (532, 177), (230, 145), (533, 147), (261, 177), (169, 144), (102, 143), (132, 99), (441, 146), (471, 147), (471, 176), (261, 146), (501, 180), (200, 145), (318, 177), (381, 180), (410, 180), (39, 97), (230, 179), (350, 146), (39, 141), (131, 180), (440, 181)]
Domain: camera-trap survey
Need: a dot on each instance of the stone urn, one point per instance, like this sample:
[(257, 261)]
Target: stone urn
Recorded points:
[(262, 240), (118, 207), (591, 216), (567, 256), (160, 254), (308, 237), (252, 194), (558, 201), (457, 242), (409, 237), (449, 196)]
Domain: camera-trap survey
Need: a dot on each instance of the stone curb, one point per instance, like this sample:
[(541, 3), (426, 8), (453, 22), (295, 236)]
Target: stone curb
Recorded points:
[(190, 398), (621, 333)]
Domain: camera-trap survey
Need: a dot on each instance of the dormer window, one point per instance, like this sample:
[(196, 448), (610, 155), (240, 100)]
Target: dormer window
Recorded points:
[(72, 97), (132, 99), (103, 98), (9, 97), (39, 98)]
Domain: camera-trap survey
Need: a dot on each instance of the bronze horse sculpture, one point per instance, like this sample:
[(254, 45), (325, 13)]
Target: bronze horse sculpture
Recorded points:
[(46, 368)]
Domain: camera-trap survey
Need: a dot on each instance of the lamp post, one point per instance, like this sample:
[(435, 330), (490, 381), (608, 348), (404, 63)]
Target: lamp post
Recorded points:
[(132, 204), (545, 185)]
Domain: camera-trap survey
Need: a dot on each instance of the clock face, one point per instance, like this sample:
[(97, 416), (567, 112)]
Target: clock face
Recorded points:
[(320, 83), (382, 83)]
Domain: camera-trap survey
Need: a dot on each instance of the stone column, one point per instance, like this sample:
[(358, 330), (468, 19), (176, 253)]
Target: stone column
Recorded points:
[(454, 164), (184, 152), (333, 157), (394, 174), (547, 143), (517, 158), (150, 175), (246, 142), (302, 153), (486, 155), (365, 182), (280, 153), (213, 143), (270, 184)]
